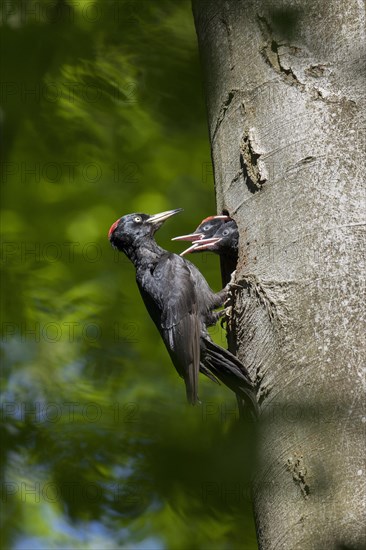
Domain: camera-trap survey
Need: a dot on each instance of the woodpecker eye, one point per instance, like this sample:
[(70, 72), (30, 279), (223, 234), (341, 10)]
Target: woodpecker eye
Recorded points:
[(137, 219), (206, 228), (225, 232)]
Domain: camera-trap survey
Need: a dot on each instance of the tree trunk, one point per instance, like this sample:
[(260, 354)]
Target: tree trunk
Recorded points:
[(284, 85)]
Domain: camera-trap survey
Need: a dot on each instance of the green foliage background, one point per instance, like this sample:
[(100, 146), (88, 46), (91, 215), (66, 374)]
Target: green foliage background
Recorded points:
[(103, 115)]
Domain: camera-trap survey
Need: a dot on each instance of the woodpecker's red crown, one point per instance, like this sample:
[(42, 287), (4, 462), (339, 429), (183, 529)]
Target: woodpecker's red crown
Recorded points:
[(112, 228)]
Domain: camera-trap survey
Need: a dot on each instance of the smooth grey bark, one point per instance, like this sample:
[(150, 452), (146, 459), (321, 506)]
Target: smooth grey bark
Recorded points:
[(285, 85)]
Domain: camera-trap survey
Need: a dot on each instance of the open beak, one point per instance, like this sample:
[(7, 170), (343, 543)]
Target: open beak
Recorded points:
[(190, 237), (190, 249), (202, 244), (162, 216)]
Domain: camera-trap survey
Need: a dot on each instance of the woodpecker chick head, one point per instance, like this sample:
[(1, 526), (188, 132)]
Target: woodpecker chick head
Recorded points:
[(224, 240), (206, 229), (132, 228)]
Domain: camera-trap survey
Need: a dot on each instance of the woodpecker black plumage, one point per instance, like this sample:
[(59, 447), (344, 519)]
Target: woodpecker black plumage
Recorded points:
[(181, 304), (223, 240), (206, 228), (218, 234)]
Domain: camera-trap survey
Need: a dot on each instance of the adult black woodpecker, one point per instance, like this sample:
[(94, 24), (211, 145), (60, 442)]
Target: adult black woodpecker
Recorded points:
[(181, 304), (218, 234)]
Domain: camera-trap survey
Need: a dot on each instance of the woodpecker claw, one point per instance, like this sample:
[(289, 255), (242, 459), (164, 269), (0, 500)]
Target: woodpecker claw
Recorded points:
[(232, 283), (230, 288), (233, 286), (229, 302), (229, 313), (227, 316)]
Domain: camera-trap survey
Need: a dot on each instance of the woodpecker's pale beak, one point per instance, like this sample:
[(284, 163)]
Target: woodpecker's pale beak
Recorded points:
[(162, 216), (202, 244), (190, 237)]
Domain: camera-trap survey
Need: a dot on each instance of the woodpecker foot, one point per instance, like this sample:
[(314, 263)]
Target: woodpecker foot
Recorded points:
[(227, 317), (231, 287), (232, 284), (229, 313)]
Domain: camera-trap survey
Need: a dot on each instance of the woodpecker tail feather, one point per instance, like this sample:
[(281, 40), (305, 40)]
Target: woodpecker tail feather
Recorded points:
[(207, 373), (231, 372)]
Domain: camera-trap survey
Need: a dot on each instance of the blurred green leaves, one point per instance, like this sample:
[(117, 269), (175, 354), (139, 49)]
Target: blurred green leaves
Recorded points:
[(104, 115)]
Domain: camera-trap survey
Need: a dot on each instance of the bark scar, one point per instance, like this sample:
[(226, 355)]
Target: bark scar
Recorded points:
[(222, 112), (296, 466), (228, 30), (249, 165), (272, 57), (271, 54)]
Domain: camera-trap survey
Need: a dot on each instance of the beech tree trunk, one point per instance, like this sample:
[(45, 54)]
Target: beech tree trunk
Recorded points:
[(285, 85)]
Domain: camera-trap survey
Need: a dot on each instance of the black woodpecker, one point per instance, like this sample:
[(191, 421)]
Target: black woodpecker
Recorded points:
[(206, 228), (218, 234), (181, 304)]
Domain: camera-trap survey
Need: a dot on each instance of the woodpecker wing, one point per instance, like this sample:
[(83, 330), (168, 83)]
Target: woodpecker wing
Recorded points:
[(174, 309)]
